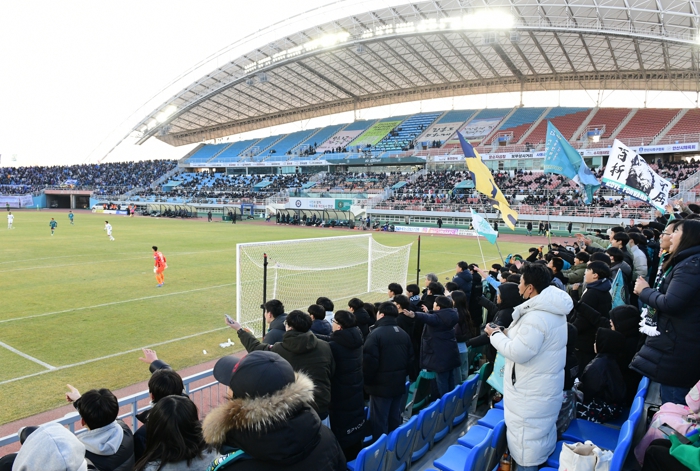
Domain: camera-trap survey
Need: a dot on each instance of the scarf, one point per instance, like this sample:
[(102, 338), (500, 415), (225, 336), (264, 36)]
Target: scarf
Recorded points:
[(648, 314)]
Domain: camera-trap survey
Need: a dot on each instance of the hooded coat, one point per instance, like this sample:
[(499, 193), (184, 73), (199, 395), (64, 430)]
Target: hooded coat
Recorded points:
[(305, 353), (363, 321), (276, 330), (474, 307), (671, 357), (534, 348), (347, 409), (279, 431), (51, 448), (602, 378), (439, 351)]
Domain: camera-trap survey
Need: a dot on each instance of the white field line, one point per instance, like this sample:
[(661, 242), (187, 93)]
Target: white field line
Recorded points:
[(108, 261), (34, 316), (28, 357), (64, 367)]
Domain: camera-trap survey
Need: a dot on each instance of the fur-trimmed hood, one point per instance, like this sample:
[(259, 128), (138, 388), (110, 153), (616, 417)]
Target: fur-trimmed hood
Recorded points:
[(259, 414)]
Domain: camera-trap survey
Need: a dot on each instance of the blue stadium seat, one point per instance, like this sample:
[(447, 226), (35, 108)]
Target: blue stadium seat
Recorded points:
[(605, 437), (426, 427), (491, 419), (465, 400), (474, 436), (400, 446), (461, 458), (620, 450), (448, 406), (498, 405), (498, 444), (627, 413), (370, 458)]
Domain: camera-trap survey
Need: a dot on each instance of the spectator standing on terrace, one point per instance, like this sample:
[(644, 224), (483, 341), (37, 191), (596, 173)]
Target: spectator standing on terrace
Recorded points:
[(439, 351), (463, 278), (534, 348), (666, 357), (319, 325), (108, 228), (301, 348), (387, 359), (159, 266), (270, 417), (362, 317), (274, 317)]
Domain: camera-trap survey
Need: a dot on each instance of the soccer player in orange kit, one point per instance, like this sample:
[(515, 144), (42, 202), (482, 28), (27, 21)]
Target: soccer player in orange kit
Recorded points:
[(159, 266)]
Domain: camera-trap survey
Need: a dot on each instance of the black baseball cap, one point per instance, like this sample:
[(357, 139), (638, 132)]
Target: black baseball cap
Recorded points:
[(259, 373)]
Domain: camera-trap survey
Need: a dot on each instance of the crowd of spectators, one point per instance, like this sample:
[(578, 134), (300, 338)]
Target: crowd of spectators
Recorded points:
[(107, 178)]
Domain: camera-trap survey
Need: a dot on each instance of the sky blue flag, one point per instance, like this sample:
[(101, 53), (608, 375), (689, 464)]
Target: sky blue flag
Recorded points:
[(617, 291), (561, 158), (483, 228)]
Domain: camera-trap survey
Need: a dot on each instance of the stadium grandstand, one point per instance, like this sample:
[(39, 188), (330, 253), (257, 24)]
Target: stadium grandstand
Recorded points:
[(412, 166)]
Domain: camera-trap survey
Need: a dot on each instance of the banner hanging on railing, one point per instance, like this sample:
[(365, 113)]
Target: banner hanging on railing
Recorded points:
[(628, 173)]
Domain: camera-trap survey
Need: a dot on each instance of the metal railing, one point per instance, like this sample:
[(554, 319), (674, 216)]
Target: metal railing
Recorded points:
[(206, 394)]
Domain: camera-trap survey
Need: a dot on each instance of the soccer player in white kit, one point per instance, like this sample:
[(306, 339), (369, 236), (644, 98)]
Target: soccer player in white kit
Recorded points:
[(10, 220), (108, 228)]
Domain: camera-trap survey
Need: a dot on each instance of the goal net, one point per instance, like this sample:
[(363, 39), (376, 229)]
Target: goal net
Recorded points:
[(300, 271)]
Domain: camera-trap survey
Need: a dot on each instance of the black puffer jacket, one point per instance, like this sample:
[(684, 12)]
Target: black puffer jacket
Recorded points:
[(602, 378), (474, 307), (278, 432), (347, 409), (387, 358), (305, 353), (626, 321), (439, 351), (673, 357), (363, 321)]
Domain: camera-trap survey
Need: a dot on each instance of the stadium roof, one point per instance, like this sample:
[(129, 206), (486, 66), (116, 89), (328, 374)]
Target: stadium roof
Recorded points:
[(436, 49)]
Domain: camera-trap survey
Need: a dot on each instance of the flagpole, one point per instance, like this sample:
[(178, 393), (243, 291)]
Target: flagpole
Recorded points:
[(480, 250), (499, 252)]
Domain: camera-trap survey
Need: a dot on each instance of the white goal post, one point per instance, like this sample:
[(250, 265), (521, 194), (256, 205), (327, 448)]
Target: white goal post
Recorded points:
[(299, 271)]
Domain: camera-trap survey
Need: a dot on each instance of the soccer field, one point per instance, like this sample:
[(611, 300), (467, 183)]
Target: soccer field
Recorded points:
[(77, 308)]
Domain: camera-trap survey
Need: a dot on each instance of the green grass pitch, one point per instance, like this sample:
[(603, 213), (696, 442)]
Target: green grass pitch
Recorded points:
[(81, 306)]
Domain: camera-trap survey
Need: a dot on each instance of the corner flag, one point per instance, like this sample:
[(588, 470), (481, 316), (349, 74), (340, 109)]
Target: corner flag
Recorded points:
[(484, 183), (561, 158)]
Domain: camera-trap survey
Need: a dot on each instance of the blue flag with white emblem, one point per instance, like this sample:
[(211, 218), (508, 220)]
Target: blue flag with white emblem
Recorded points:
[(561, 158)]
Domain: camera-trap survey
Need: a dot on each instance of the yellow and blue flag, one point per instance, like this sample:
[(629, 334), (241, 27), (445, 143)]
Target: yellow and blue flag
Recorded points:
[(484, 183), (561, 158)]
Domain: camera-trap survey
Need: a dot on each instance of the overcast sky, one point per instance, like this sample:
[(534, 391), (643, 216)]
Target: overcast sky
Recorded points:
[(75, 74)]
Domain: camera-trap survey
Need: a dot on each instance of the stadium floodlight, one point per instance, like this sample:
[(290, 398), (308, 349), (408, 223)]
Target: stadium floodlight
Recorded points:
[(299, 271)]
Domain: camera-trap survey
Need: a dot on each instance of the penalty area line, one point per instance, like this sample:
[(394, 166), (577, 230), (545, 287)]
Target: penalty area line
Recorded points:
[(114, 303), (113, 355), (28, 357)]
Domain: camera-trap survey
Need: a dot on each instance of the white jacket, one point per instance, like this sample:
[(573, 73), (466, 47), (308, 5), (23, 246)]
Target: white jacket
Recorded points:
[(535, 351)]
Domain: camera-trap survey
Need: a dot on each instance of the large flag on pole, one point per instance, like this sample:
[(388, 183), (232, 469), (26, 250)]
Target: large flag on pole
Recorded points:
[(483, 228), (561, 158), (628, 173), (484, 183)]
